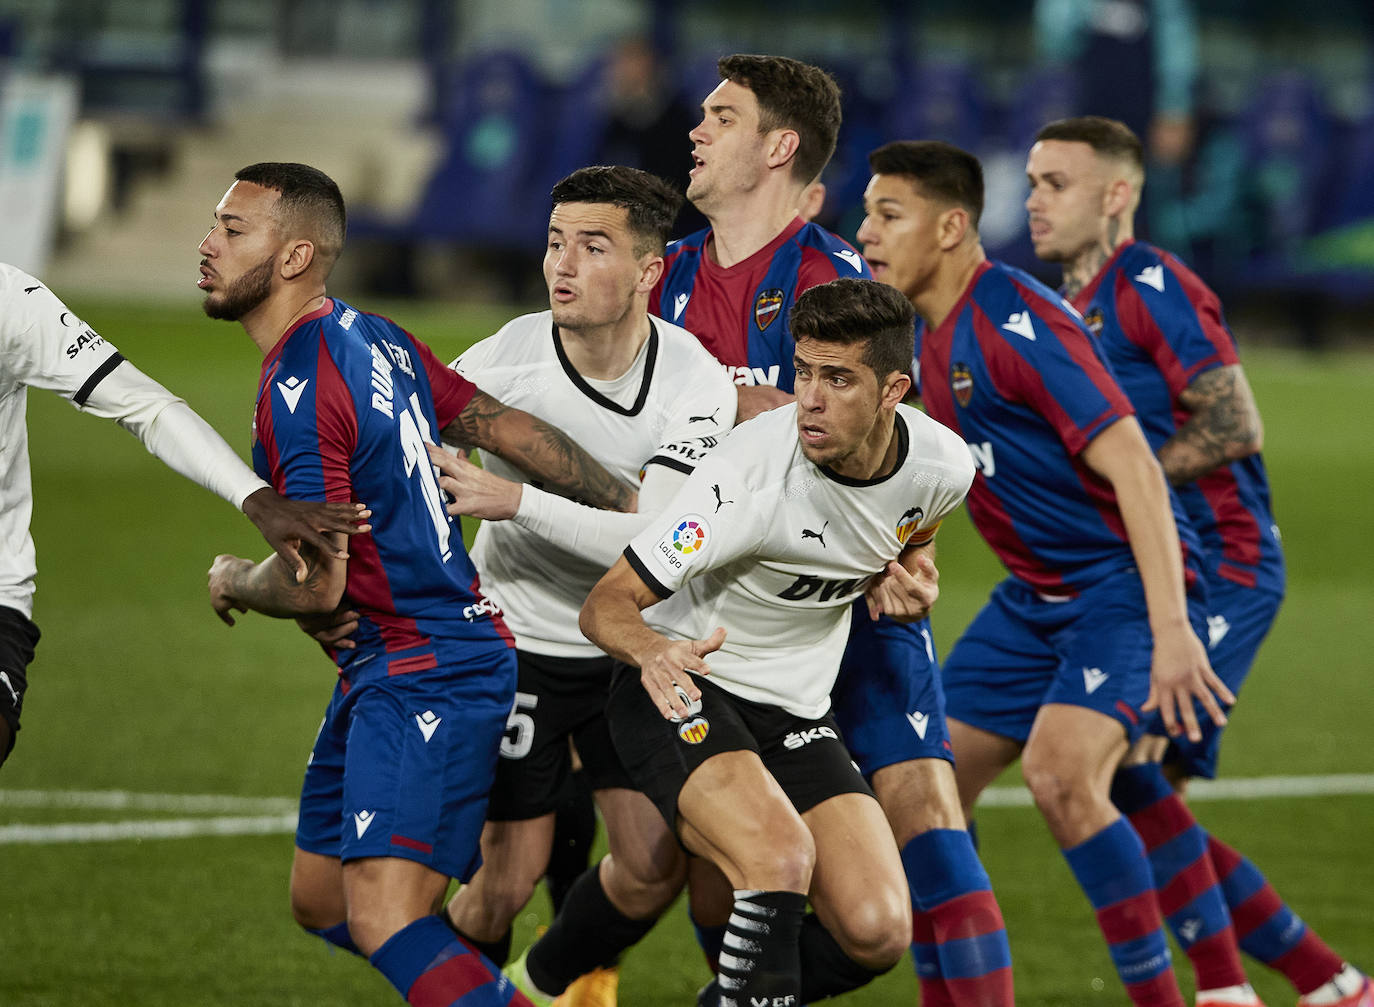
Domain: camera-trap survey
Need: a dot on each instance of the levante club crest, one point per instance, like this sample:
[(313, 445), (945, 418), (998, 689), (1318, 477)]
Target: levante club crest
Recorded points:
[(766, 307), (1093, 320), (961, 380)]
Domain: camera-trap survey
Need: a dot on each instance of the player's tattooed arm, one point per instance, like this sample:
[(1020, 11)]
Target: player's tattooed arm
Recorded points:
[(271, 587), (541, 451), (1225, 425)]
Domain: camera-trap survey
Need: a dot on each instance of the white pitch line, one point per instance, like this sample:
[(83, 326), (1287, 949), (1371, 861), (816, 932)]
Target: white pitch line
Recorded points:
[(168, 828), (275, 815)]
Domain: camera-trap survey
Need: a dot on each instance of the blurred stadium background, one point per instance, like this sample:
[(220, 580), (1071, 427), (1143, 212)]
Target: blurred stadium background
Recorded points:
[(445, 123)]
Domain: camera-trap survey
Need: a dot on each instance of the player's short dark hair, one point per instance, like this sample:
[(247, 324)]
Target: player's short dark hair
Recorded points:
[(938, 170), (1107, 137), (852, 310), (310, 203), (791, 95), (651, 204)]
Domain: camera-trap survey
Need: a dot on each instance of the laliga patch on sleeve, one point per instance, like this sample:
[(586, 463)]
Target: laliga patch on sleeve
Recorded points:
[(683, 544)]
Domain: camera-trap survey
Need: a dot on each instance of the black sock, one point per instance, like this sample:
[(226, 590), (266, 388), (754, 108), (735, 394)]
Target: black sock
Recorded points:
[(498, 950), (589, 933), (574, 829), (760, 961), (826, 971)]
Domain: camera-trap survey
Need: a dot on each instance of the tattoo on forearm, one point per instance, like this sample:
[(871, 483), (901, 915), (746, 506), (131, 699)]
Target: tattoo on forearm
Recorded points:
[(1225, 425), (540, 450)]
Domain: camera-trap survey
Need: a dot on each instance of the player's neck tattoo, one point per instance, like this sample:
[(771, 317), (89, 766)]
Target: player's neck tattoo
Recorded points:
[(1083, 269)]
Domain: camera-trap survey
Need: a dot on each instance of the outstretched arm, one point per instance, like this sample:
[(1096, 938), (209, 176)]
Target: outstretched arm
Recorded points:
[(541, 451), (1224, 426), (611, 619)]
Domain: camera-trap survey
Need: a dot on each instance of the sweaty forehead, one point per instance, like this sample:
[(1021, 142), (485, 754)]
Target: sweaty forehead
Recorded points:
[(571, 219)]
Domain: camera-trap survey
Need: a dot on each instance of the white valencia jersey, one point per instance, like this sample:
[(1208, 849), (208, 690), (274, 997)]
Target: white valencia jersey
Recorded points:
[(668, 409), (775, 548)]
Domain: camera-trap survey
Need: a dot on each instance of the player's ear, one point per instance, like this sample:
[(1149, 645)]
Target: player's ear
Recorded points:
[(1116, 198), (650, 271), (782, 147), (951, 227), (895, 389), (298, 259)]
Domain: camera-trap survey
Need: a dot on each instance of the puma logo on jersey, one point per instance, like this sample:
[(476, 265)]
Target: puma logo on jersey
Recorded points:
[(1093, 679), (291, 390), (1152, 276), (715, 488), (1021, 324), (680, 305), (1217, 628), (428, 722), (920, 722), (30, 290), (817, 535), (702, 419), (852, 257), (362, 820)]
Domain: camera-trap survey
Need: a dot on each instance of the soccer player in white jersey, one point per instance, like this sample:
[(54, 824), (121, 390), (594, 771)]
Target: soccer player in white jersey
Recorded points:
[(755, 564), (643, 397), (43, 344)]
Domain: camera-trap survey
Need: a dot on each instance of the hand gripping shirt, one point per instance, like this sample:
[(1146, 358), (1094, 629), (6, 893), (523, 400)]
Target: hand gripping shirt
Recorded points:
[(669, 408), (775, 548), (347, 402), (1013, 370), (740, 313), (1160, 327)]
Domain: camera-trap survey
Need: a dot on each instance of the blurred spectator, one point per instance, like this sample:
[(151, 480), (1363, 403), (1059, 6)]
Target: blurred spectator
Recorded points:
[(647, 122)]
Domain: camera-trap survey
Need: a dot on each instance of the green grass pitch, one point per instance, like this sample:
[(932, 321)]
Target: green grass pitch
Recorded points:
[(138, 687)]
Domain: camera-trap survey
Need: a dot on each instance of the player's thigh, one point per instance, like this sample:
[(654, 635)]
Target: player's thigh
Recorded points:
[(18, 639), (641, 844), (919, 795), (888, 700), (980, 756), (317, 892), (554, 696), (858, 886)]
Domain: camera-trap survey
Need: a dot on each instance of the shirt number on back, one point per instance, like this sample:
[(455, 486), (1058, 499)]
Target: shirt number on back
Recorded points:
[(414, 430)]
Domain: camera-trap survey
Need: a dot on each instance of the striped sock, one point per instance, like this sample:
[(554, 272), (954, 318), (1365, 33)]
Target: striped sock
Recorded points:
[(1112, 871), (925, 955), (1267, 929), (433, 967), (1189, 894), (953, 904), (760, 961)]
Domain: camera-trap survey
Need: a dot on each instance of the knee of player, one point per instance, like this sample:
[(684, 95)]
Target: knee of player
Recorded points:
[(1060, 792), (313, 915), (652, 873), (781, 863), (875, 930)]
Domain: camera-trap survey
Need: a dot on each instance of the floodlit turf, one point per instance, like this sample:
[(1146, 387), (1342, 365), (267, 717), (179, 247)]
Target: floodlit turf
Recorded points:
[(138, 687)]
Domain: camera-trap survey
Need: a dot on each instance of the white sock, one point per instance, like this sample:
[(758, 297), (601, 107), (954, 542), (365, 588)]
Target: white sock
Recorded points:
[(1342, 984), (1242, 995)]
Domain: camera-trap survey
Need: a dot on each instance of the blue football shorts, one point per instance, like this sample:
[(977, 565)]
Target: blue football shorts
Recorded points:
[(1238, 620), (887, 699), (403, 764), (1025, 649)]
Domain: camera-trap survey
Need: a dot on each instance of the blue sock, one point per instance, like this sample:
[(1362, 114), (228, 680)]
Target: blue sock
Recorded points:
[(428, 963), (1112, 871), (710, 938), (952, 898), (339, 936)]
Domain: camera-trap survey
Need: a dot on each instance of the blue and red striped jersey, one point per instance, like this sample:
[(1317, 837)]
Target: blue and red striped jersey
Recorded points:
[(1013, 370), (346, 403), (754, 344), (1160, 327)]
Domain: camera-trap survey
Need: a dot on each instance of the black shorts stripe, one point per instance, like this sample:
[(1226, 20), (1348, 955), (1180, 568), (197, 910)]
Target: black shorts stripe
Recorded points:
[(96, 377)]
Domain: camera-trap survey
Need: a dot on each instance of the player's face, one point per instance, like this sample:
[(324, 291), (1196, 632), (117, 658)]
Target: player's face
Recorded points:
[(728, 152), (900, 234), (1066, 205), (238, 256), (590, 265), (838, 400)]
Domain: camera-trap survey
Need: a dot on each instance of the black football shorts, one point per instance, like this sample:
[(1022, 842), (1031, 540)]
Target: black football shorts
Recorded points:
[(18, 638)]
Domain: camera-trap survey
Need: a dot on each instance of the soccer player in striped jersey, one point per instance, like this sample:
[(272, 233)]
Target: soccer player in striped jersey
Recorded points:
[(1093, 627), (43, 344), (396, 788), (768, 130), (1161, 329)]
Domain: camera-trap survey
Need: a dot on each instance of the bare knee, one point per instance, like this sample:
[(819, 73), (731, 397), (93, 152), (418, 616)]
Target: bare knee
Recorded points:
[(502, 894), (875, 931), (644, 882), (1065, 796), (778, 863)]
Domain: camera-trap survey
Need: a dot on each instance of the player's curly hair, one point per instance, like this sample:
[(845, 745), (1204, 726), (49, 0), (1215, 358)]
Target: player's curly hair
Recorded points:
[(650, 202), (791, 95), (310, 204), (853, 310), (938, 170)]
